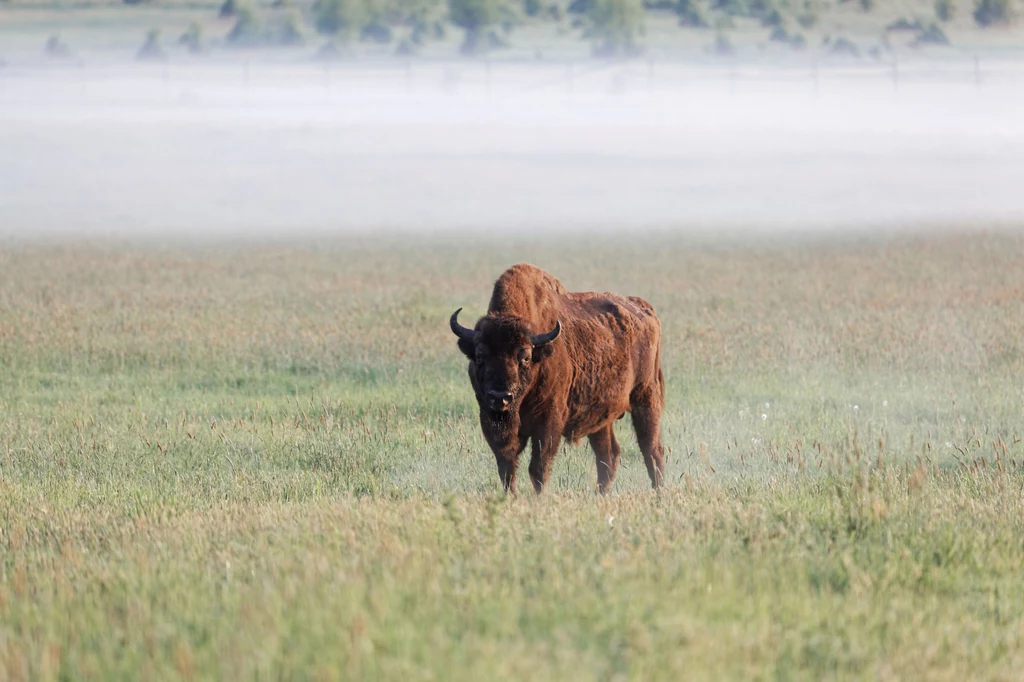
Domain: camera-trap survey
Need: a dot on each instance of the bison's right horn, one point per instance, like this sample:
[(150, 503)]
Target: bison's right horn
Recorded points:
[(539, 340), (458, 329)]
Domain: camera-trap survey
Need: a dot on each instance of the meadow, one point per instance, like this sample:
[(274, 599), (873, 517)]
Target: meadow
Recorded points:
[(256, 460)]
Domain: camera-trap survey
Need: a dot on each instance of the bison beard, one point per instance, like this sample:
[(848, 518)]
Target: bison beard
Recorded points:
[(546, 363)]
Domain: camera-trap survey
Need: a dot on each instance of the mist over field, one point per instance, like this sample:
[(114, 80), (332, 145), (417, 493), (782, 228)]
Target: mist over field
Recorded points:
[(272, 148)]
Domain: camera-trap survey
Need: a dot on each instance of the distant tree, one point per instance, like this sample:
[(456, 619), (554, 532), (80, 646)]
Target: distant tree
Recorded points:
[(945, 10), (55, 47), (931, 35), (993, 12), (723, 47), (151, 50), (248, 29), (690, 14), (475, 17), (339, 18), (736, 8), (616, 27), (192, 38)]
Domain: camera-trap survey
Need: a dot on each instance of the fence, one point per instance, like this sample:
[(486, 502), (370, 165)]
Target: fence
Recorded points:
[(255, 82)]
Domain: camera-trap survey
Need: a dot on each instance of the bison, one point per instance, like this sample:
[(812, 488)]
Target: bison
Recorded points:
[(546, 363)]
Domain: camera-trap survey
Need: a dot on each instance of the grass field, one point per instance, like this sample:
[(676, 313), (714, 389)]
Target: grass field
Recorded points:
[(262, 461)]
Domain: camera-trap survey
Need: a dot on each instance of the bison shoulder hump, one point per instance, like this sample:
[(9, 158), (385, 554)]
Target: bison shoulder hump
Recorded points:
[(643, 307)]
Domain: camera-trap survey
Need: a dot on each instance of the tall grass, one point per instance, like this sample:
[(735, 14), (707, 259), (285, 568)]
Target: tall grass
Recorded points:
[(238, 462)]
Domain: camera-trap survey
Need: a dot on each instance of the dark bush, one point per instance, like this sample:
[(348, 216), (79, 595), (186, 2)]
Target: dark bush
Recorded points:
[(904, 24), (248, 29), (475, 17), (761, 9), (691, 14), (723, 47), (55, 47), (377, 32), (287, 30), (844, 46), (807, 20), (406, 47), (229, 9), (192, 38), (615, 27), (338, 17), (932, 35), (330, 52), (151, 50), (945, 10), (736, 8), (993, 12), (773, 18), (779, 34)]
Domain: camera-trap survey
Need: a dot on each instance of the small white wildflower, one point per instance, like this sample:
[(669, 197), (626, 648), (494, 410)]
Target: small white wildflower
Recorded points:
[(856, 407), (885, 403), (755, 441), (948, 444), (764, 417), (611, 520), (767, 405)]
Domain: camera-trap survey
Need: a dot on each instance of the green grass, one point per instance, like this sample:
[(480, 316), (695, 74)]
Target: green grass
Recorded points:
[(263, 461)]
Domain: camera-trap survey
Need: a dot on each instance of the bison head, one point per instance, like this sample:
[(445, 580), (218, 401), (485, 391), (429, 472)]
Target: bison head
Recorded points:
[(503, 357)]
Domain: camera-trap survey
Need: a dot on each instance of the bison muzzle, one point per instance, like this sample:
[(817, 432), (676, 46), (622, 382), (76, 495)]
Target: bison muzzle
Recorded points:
[(547, 364)]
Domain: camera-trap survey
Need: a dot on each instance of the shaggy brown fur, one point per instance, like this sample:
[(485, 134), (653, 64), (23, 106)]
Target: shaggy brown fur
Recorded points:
[(604, 361)]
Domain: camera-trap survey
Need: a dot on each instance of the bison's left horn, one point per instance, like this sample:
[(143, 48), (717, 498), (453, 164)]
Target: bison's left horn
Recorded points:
[(543, 339), (458, 329)]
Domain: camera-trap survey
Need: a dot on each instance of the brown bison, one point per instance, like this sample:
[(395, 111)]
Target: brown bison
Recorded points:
[(546, 363)]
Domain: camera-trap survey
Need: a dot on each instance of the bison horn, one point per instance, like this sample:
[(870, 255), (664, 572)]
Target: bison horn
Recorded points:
[(458, 329), (539, 340)]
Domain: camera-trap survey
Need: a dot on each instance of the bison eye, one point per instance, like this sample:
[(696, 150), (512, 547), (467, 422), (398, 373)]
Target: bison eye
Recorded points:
[(524, 356)]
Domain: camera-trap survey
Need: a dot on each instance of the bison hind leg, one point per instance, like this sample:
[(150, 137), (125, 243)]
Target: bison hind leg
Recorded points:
[(606, 450), (647, 408)]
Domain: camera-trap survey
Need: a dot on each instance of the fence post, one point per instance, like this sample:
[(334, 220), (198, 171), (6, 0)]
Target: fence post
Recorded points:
[(650, 76), (487, 76), (569, 84), (977, 71), (165, 78), (814, 75), (408, 76), (245, 81), (895, 72)]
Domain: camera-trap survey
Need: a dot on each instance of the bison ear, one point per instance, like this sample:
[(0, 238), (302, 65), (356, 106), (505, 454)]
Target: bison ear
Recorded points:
[(541, 352), (468, 348)]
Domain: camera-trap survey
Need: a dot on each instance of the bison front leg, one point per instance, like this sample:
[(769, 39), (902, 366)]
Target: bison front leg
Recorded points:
[(607, 450), (507, 460), (545, 447)]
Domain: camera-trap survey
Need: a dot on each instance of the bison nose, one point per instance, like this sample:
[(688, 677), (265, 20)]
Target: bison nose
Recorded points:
[(499, 399)]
